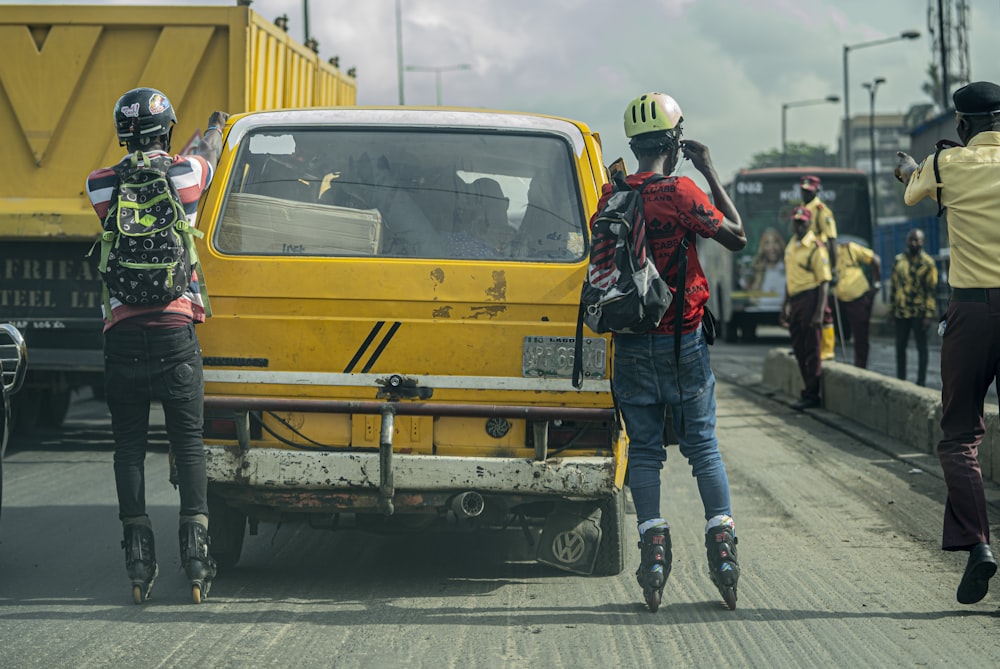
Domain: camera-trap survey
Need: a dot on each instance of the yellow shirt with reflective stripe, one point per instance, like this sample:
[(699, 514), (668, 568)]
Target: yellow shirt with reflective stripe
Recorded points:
[(970, 177), (823, 224), (914, 284), (807, 264), (852, 258)]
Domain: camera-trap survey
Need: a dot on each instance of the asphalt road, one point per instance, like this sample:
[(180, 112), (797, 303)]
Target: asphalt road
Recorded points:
[(839, 544)]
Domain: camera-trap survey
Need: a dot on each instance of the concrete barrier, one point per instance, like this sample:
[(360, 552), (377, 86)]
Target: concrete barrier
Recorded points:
[(898, 409)]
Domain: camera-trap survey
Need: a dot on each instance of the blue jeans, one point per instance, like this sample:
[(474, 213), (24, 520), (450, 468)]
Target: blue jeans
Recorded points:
[(648, 383), (165, 365)]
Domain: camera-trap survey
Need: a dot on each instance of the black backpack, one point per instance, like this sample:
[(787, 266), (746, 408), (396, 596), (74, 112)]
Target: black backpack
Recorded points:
[(623, 291), (147, 247)]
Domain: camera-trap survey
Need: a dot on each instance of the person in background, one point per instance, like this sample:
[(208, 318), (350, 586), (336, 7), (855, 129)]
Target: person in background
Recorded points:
[(914, 304), (855, 295), (152, 353), (970, 345), (648, 380), (807, 271), (824, 228)]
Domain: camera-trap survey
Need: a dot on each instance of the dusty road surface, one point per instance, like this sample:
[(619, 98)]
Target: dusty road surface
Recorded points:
[(838, 542)]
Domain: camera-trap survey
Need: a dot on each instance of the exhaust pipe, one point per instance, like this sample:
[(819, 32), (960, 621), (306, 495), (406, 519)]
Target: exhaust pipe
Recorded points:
[(468, 504)]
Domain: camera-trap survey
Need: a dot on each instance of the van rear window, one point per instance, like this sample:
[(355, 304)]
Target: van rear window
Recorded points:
[(414, 193)]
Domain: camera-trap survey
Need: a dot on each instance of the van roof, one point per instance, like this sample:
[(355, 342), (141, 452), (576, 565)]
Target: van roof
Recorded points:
[(414, 117)]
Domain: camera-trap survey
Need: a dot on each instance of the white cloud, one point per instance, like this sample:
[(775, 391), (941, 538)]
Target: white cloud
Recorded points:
[(730, 63)]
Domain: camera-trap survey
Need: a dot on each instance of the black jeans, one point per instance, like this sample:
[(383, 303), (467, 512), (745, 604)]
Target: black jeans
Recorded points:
[(903, 327), (165, 365)]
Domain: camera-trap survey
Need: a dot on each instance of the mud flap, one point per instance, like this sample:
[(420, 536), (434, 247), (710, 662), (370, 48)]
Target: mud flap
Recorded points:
[(571, 537)]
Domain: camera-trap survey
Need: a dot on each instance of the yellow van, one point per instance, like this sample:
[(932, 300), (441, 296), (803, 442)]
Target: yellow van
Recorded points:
[(395, 296)]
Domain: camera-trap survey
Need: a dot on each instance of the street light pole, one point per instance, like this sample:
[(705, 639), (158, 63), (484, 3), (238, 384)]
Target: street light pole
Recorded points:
[(872, 87), (784, 123), (846, 140), (437, 70)]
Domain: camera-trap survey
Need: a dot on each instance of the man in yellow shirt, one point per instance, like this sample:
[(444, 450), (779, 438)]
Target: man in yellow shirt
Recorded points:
[(824, 227), (807, 275), (856, 295), (965, 180), (914, 302)]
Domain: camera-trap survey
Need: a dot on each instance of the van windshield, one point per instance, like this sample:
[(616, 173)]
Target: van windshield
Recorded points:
[(408, 193)]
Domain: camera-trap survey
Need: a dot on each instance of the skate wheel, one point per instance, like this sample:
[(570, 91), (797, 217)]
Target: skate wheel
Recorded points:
[(653, 600), (730, 596), (137, 594), (196, 593)]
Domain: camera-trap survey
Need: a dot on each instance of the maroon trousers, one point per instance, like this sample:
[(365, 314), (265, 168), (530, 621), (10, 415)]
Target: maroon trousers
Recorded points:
[(806, 340), (970, 362), (858, 314)]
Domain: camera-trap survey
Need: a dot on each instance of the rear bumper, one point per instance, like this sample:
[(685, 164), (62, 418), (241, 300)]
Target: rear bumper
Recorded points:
[(268, 471)]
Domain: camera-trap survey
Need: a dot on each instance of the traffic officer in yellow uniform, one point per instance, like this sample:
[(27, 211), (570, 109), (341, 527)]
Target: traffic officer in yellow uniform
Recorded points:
[(824, 227), (855, 294), (807, 274), (964, 179)]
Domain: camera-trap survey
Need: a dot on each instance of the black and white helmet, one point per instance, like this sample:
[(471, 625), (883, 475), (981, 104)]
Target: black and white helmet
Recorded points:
[(143, 112)]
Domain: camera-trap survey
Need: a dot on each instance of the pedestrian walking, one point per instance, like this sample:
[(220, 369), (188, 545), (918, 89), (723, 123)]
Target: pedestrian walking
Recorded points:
[(648, 380), (151, 351), (914, 302), (855, 294), (964, 179), (807, 273)]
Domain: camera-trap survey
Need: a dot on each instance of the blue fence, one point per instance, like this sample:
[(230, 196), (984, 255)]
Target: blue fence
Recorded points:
[(890, 240)]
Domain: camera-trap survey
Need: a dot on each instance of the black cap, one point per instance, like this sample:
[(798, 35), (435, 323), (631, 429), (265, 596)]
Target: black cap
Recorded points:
[(977, 99)]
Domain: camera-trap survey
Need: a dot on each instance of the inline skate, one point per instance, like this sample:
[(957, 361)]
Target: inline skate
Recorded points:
[(655, 563), (140, 559), (723, 567), (198, 564)]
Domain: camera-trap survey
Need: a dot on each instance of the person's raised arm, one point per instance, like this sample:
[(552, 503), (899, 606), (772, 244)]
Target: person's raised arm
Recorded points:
[(731, 233), (210, 146)]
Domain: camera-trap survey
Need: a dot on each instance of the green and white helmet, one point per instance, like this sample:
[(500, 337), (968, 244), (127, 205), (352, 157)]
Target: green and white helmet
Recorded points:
[(653, 112)]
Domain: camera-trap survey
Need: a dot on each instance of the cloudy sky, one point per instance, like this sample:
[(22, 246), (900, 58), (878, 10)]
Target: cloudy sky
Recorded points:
[(731, 64)]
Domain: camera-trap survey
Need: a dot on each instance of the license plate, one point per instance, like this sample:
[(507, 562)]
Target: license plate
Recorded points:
[(552, 357)]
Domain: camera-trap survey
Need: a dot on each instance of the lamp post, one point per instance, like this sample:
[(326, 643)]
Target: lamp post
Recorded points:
[(437, 70), (906, 34), (784, 123), (872, 87)]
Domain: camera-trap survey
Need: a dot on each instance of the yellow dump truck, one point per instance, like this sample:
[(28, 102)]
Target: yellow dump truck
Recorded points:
[(395, 295), (62, 70)]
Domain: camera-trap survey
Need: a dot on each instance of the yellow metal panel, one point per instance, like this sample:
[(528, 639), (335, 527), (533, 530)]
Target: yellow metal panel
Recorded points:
[(452, 433), (26, 64), (309, 429), (411, 434), (203, 58)]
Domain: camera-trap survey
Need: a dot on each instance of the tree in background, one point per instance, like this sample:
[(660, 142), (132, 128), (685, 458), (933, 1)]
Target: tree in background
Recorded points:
[(797, 154)]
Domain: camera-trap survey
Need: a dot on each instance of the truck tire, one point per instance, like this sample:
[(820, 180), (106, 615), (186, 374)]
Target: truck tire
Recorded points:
[(55, 406), (611, 555), (226, 529), (732, 330), (25, 411)]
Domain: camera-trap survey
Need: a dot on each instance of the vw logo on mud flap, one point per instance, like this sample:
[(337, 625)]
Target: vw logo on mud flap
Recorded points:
[(569, 547)]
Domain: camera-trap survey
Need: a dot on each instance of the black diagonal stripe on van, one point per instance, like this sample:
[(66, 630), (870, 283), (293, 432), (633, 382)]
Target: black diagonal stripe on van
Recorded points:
[(364, 346), (381, 347)]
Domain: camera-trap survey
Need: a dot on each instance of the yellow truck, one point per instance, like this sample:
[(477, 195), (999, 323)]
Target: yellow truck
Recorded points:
[(62, 70), (395, 294)]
